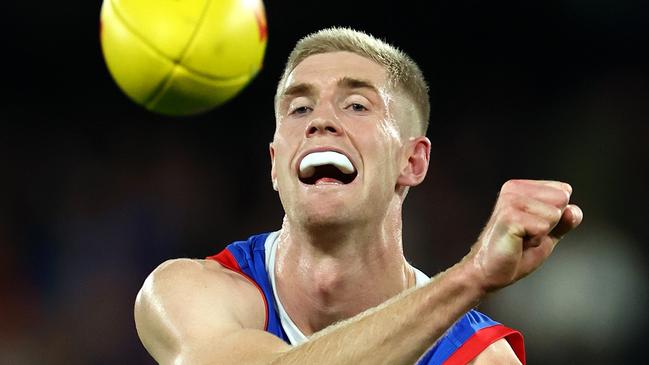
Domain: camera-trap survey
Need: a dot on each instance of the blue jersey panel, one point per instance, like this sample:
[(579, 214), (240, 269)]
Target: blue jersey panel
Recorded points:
[(251, 257), (465, 327)]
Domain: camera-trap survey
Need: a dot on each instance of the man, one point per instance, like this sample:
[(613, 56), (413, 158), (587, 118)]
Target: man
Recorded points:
[(333, 286)]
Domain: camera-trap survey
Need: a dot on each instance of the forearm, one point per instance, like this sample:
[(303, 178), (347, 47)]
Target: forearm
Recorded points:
[(398, 331)]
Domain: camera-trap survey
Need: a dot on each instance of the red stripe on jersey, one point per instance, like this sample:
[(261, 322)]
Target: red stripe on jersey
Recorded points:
[(480, 340), (227, 260)]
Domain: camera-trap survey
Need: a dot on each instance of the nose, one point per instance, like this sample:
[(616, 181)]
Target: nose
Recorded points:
[(323, 125)]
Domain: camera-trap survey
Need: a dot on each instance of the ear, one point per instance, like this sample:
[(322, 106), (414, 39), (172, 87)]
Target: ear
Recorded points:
[(273, 173), (418, 157)]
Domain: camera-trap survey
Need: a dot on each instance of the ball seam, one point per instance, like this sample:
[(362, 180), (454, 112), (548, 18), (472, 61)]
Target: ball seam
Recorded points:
[(155, 95)]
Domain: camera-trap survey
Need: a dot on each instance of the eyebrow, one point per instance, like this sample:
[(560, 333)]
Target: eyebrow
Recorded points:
[(352, 83), (346, 82), (299, 89)]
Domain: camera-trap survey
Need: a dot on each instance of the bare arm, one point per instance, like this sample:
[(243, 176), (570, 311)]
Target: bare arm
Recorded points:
[(192, 312), (498, 353)]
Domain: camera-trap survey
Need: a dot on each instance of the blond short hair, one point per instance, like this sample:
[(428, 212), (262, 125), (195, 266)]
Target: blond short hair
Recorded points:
[(401, 70)]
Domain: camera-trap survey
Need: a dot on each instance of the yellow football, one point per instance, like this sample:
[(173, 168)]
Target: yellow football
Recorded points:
[(183, 57)]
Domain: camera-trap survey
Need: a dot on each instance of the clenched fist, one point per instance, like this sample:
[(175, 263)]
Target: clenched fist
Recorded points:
[(529, 218)]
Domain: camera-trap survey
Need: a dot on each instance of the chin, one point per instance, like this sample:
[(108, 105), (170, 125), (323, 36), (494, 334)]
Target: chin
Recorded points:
[(329, 214)]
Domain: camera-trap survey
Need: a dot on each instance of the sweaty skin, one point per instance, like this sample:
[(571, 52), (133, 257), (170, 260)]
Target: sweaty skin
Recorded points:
[(340, 269)]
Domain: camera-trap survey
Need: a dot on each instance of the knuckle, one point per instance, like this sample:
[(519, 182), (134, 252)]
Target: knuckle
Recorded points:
[(508, 212), (522, 203), (550, 213), (509, 185), (564, 198), (544, 227), (507, 197), (565, 188), (512, 218), (568, 188)]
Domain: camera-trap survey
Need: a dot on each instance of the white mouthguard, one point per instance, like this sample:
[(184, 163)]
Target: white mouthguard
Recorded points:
[(312, 160)]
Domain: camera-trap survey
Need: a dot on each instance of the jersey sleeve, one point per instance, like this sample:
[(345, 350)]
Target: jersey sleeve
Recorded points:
[(248, 259), (468, 337)]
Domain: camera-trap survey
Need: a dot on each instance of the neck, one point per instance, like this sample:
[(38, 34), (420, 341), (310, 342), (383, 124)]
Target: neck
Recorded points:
[(326, 276)]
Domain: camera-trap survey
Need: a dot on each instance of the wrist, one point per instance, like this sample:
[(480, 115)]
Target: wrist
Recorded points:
[(469, 275)]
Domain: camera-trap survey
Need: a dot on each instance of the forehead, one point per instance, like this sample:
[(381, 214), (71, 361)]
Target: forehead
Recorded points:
[(330, 67)]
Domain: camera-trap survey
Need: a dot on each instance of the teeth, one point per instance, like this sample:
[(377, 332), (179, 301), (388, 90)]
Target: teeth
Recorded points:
[(312, 160)]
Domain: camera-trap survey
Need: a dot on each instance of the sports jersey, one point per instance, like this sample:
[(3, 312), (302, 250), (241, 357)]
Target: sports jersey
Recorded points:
[(254, 259)]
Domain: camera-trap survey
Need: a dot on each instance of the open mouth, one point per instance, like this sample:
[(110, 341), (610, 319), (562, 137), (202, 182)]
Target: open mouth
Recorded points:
[(326, 167)]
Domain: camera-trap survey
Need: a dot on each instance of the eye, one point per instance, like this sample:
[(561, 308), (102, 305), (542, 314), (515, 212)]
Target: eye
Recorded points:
[(357, 107), (300, 110)]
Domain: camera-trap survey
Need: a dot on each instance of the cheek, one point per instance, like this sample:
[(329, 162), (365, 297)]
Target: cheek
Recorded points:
[(285, 141), (389, 140), (390, 130), (386, 147), (289, 133)]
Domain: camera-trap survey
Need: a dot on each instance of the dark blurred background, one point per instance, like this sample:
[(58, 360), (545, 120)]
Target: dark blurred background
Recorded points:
[(95, 192)]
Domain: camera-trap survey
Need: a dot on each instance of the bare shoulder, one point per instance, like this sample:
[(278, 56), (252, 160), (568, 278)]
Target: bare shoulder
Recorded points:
[(498, 353), (178, 283), (186, 299), (193, 274)]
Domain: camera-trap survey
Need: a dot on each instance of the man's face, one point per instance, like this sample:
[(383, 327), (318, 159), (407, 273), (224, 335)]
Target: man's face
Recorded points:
[(337, 150)]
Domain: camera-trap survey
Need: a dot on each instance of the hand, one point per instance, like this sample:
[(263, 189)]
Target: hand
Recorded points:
[(529, 219)]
